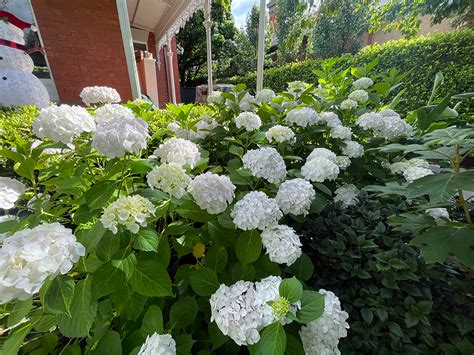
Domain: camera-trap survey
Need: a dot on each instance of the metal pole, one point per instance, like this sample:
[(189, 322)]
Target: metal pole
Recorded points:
[(128, 47), (170, 62), (208, 26), (261, 45)]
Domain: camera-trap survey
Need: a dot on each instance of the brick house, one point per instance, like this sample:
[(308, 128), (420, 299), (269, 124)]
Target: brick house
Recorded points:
[(86, 44)]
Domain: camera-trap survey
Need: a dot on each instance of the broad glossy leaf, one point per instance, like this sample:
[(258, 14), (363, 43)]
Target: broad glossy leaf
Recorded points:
[(312, 307), (151, 279), (291, 289), (248, 247), (59, 294), (272, 341), (204, 282), (183, 312)]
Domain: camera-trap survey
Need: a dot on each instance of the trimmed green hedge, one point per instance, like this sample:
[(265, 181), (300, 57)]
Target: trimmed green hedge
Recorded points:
[(450, 53)]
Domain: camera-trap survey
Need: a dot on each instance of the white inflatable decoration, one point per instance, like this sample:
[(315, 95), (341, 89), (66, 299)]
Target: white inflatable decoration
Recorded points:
[(18, 86)]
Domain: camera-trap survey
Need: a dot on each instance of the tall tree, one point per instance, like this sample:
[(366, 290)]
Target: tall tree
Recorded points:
[(251, 25)]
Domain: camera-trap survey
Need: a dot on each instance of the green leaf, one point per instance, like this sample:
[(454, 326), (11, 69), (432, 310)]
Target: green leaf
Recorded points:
[(272, 341), (183, 312), (239, 151), (184, 344), (99, 194), (303, 267), (109, 344), (152, 321), (128, 303), (83, 311), (19, 310), (216, 258), (221, 235), (367, 315), (248, 246), (293, 345), (395, 329), (312, 307), (291, 289), (192, 211), (146, 240), (106, 280), (204, 282), (438, 243), (15, 340), (90, 237), (413, 222), (127, 264), (411, 319), (58, 296), (151, 279)]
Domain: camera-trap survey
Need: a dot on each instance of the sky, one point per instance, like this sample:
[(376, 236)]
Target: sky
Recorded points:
[(240, 9)]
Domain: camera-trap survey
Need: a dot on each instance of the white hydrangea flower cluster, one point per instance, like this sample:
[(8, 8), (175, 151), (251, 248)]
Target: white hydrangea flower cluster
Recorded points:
[(170, 178), (347, 194), (215, 97), (348, 104), (99, 95), (203, 129), (295, 196), (241, 310), (320, 165), (255, 211), (265, 96), (30, 256), (129, 211), (279, 134), (415, 172), (265, 163), (363, 83), (61, 123), (343, 162), (440, 215), (178, 150), (246, 103), (352, 149), (212, 192), (341, 132), (322, 335), (109, 111), (302, 117), (282, 243), (331, 119), (386, 123), (360, 96), (120, 134), (249, 120), (295, 88), (158, 344), (401, 166), (10, 192)]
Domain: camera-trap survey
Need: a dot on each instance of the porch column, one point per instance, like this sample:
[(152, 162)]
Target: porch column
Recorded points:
[(208, 26), (261, 45), (128, 47), (170, 65)]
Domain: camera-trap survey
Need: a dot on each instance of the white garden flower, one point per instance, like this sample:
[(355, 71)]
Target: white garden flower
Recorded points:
[(110, 111), (120, 134), (352, 149), (348, 104), (343, 162), (341, 132), (62, 123), (386, 123), (170, 178), (249, 120), (320, 169), (331, 119), (215, 97), (279, 134), (10, 192), (246, 104), (129, 211), (212, 192), (302, 117), (401, 166), (30, 256), (361, 96), (295, 196), (265, 96), (265, 163), (440, 215), (158, 344), (322, 152), (202, 129), (255, 210), (415, 172), (297, 87), (363, 83), (173, 127), (322, 335), (178, 150), (347, 194), (99, 95), (282, 244)]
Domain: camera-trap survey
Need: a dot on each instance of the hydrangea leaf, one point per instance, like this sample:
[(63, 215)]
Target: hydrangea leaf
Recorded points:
[(152, 321), (291, 289), (312, 307), (248, 247), (151, 279), (204, 282), (58, 296), (272, 341), (183, 312)]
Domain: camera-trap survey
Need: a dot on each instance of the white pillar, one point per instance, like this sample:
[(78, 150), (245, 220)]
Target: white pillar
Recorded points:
[(261, 45), (208, 26), (171, 72), (128, 47)]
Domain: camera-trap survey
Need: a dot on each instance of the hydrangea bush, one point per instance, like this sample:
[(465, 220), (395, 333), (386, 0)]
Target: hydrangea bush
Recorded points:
[(189, 241)]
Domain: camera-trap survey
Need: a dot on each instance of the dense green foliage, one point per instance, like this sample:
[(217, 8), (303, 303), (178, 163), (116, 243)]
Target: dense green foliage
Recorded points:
[(449, 53), (397, 303)]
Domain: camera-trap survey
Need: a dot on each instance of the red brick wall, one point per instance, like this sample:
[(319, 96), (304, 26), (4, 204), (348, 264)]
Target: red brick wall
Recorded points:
[(164, 95), (84, 45)]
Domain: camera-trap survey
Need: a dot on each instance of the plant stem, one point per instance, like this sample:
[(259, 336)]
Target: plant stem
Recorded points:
[(462, 201)]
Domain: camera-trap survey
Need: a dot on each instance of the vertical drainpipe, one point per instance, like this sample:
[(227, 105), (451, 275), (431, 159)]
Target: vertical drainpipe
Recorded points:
[(171, 67), (261, 45), (208, 26), (128, 47)]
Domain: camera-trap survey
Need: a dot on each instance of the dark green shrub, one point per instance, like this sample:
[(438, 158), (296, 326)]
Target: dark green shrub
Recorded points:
[(449, 53), (396, 302)]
